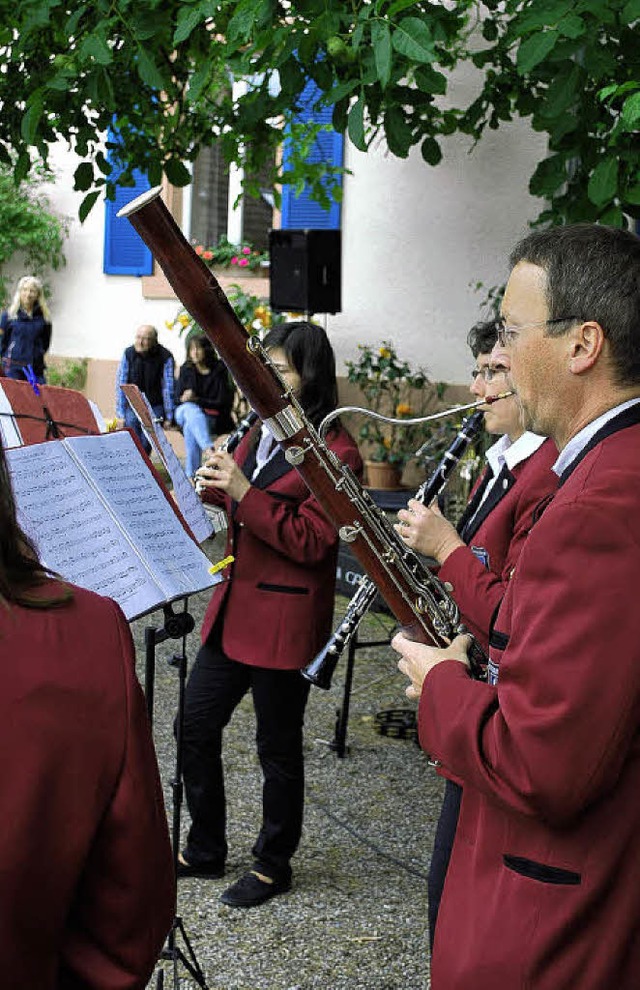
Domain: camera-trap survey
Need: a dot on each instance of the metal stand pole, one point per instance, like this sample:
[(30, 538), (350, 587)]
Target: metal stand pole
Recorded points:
[(176, 626)]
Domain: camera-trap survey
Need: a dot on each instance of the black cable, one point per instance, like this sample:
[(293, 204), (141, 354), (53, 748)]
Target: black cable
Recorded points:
[(365, 841), (51, 424)]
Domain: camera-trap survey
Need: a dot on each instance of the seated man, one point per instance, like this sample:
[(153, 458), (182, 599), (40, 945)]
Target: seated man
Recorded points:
[(150, 366)]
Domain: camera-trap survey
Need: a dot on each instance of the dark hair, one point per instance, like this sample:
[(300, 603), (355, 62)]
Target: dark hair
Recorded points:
[(308, 350), (482, 336), (593, 273), (210, 355), (20, 570)]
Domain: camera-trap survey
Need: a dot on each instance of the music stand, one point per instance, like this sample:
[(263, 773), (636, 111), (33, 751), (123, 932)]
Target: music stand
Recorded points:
[(176, 626)]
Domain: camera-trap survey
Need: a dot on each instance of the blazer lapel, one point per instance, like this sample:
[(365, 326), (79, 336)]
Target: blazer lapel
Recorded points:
[(503, 483), (275, 467)]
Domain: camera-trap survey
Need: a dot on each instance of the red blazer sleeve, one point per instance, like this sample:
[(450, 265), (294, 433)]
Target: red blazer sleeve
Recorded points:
[(125, 904), (552, 736)]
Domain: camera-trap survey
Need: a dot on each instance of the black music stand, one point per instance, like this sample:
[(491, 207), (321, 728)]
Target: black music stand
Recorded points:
[(176, 626), (349, 573)]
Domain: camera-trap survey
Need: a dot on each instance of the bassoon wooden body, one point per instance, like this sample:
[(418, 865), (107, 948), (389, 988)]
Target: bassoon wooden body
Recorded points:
[(414, 595)]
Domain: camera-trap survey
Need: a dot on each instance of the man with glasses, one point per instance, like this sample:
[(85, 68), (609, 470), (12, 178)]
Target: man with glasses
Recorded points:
[(542, 889), (477, 559)]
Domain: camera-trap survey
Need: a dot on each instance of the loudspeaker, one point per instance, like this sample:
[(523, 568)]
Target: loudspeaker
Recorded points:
[(305, 270)]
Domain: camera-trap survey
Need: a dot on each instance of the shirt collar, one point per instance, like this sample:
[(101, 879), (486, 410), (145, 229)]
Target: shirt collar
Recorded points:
[(504, 451), (581, 439)]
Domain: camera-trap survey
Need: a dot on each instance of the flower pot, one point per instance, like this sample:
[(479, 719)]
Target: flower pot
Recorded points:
[(381, 474)]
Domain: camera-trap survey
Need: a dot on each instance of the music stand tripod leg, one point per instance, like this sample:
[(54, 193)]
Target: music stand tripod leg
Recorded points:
[(177, 626)]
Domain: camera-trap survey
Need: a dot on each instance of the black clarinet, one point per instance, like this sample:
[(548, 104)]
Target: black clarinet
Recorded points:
[(320, 670), (241, 430)]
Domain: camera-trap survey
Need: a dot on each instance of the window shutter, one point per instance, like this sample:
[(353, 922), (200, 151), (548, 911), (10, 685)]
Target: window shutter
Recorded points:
[(125, 253), (302, 212)]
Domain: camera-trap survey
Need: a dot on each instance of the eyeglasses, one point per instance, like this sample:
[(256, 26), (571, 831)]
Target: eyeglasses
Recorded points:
[(507, 335), (488, 374)]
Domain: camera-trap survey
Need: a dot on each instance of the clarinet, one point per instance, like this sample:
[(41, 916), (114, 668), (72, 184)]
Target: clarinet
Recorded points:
[(232, 440), (241, 430), (320, 670), (416, 597)]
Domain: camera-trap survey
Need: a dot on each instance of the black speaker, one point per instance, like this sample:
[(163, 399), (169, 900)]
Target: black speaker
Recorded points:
[(305, 270)]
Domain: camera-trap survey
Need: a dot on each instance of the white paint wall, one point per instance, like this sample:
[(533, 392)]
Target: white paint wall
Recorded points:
[(414, 238)]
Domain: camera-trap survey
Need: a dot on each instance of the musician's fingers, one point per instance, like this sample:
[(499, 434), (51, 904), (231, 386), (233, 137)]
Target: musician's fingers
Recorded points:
[(413, 693)]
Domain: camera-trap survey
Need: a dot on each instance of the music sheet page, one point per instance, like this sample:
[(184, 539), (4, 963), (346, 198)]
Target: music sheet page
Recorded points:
[(100, 518), (74, 534)]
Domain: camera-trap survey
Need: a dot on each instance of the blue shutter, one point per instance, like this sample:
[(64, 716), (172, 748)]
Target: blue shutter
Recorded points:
[(301, 212), (125, 253)]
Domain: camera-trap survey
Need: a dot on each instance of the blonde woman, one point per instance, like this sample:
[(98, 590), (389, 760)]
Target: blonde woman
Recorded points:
[(26, 331)]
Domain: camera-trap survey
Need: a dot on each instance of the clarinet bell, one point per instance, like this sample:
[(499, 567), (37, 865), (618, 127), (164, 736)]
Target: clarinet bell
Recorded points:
[(320, 671)]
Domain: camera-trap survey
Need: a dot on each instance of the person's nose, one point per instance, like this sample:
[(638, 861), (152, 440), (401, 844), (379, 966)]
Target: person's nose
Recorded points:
[(478, 386)]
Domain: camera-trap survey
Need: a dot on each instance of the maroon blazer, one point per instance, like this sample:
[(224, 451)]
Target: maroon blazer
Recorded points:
[(278, 601), (86, 874), (543, 889), (479, 573)]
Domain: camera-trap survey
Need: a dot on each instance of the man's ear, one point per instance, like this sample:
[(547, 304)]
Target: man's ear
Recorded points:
[(586, 344)]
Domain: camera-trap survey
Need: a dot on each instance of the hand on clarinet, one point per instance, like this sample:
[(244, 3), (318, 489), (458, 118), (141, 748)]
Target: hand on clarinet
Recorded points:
[(221, 471), (417, 660), (425, 529)]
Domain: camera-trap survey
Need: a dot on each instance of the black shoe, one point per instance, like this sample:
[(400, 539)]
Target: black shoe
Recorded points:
[(213, 870), (250, 890)]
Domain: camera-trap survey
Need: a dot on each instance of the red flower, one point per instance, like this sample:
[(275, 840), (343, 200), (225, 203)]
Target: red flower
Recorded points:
[(199, 249), (207, 255)]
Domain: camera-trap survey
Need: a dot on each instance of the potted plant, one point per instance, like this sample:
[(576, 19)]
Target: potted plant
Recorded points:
[(391, 387), (241, 259)]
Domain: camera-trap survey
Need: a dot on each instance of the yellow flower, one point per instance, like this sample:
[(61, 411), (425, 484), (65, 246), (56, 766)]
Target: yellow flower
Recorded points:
[(384, 352), (386, 443), (112, 425), (168, 324), (403, 409), (184, 319)]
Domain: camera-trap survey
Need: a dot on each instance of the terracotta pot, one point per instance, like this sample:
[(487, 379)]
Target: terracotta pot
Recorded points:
[(380, 474)]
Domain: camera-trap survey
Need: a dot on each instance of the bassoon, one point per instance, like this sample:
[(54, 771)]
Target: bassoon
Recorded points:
[(414, 595), (321, 669)]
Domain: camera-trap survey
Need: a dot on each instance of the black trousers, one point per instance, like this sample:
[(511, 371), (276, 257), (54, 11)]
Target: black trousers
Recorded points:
[(442, 846), (214, 689)]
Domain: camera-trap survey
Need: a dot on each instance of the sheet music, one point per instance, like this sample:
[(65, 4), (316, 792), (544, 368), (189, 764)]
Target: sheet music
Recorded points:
[(9, 432), (185, 494), (76, 496), (139, 504), (74, 534)]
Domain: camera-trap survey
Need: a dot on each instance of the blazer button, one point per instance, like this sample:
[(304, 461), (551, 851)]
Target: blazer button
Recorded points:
[(505, 483), (448, 586)]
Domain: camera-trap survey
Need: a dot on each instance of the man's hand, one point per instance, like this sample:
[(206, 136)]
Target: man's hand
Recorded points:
[(221, 471), (417, 659), (425, 529)]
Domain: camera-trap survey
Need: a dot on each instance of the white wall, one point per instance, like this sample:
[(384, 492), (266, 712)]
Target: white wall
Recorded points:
[(414, 238)]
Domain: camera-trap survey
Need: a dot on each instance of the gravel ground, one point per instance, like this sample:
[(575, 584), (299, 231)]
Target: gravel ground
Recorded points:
[(355, 918)]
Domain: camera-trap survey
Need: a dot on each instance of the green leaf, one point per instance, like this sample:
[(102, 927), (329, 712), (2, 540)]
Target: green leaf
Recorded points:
[(571, 26), (87, 205), (148, 70), (198, 81), (613, 217), (630, 12), (534, 50), (633, 195), (355, 125), (95, 47), (188, 20), (413, 39), (177, 173), (631, 112), (396, 7), (603, 183), (243, 20), (382, 51), (429, 80), (30, 121), (550, 174), (397, 131), (561, 93), (430, 150), (83, 177)]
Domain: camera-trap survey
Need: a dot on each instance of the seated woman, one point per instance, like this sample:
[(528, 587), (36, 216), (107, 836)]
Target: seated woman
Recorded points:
[(204, 397)]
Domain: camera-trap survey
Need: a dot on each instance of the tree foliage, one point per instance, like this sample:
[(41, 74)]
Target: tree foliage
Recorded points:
[(28, 226), (162, 69)]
